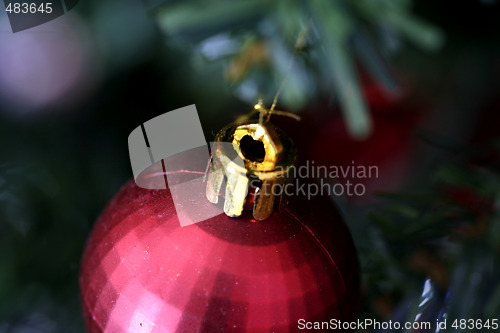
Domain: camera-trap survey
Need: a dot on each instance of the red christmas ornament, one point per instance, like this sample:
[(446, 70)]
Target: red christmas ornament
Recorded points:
[(142, 272)]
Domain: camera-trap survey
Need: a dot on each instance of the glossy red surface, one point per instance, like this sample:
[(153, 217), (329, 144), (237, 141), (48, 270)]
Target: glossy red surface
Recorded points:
[(142, 272)]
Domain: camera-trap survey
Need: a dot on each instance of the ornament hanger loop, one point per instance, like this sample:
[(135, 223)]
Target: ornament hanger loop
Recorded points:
[(266, 113)]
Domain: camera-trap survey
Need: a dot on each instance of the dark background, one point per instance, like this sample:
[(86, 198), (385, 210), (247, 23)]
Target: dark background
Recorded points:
[(62, 160)]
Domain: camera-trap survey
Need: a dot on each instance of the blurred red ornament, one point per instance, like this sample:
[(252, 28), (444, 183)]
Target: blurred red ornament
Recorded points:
[(142, 272), (387, 148), (322, 136)]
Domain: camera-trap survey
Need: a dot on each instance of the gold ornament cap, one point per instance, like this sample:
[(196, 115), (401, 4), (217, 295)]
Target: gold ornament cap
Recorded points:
[(254, 160)]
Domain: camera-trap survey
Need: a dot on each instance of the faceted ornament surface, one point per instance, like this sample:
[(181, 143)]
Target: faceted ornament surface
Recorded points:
[(142, 272)]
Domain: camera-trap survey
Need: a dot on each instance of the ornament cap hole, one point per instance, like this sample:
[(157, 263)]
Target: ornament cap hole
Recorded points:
[(253, 150)]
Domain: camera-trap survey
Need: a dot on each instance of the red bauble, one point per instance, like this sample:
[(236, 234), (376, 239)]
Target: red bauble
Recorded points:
[(142, 272)]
